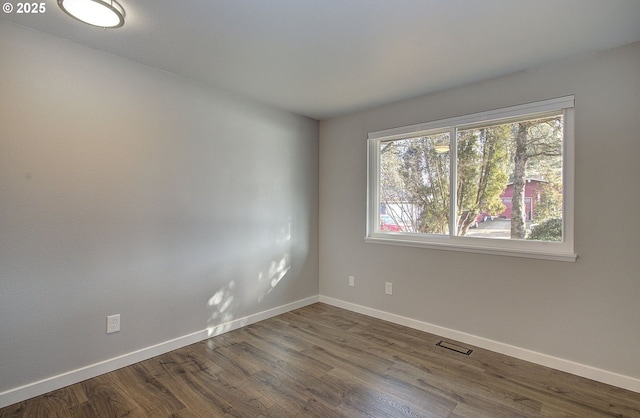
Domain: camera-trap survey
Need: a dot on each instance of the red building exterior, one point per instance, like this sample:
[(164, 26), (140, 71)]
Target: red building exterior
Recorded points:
[(532, 191)]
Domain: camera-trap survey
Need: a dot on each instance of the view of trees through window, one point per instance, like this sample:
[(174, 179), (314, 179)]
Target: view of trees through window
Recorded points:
[(508, 181)]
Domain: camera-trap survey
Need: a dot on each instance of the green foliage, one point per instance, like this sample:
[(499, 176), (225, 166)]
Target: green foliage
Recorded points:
[(549, 230), (414, 180), (482, 172), (425, 172), (550, 202), (538, 148), (415, 174)]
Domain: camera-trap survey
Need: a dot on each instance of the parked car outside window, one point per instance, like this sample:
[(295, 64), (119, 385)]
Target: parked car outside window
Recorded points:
[(388, 224)]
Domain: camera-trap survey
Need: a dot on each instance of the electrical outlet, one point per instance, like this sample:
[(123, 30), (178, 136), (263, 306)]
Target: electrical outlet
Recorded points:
[(113, 323), (352, 281), (388, 288)]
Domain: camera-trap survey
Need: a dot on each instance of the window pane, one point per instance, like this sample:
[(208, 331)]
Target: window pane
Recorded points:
[(509, 180), (414, 185)]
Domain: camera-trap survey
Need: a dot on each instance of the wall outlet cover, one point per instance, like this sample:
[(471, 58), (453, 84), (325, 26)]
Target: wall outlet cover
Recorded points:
[(113, 323)]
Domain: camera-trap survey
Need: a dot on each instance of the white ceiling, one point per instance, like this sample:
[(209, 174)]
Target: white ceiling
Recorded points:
[(324, 58)]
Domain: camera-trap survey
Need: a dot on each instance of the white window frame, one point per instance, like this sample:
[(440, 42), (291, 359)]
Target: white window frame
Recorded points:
[(559, 251)]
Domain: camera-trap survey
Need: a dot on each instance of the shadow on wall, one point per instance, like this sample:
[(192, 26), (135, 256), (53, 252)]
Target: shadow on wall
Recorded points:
[(224, 302)]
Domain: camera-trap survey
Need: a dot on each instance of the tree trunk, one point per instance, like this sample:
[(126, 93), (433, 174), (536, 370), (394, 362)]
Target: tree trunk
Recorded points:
[(518, 212)]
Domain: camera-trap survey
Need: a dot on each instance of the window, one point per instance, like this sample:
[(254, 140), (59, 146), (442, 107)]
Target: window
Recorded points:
[(498, 182)]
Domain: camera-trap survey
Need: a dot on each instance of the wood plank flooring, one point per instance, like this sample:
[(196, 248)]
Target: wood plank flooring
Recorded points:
[(322, 361)]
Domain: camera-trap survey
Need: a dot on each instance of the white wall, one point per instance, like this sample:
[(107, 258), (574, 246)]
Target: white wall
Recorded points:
[(586, 312), (124, 189)]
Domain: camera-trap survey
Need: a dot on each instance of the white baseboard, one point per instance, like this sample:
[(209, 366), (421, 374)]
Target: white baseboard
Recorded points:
[(49, 384), (31, 390), (589, 372)]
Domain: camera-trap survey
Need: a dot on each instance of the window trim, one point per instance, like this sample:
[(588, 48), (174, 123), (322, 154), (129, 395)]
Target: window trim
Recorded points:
[(558, 251)]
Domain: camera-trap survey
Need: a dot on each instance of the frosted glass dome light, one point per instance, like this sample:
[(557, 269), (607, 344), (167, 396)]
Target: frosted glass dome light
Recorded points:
[(101, 13)]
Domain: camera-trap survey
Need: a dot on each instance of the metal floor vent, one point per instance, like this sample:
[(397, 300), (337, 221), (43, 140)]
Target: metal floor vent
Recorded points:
[(455, 347)]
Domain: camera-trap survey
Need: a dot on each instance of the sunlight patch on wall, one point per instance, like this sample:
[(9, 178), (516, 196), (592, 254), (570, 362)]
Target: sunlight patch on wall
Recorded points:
[(277, 270), (220, 303), (269, 278)]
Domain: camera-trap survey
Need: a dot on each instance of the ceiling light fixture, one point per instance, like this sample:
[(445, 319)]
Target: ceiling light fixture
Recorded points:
[(101, 13)]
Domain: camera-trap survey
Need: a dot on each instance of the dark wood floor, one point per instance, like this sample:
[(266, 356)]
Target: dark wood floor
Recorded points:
[(322, 361)]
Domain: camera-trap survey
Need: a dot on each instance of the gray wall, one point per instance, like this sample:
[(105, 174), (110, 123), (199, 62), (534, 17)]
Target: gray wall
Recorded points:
[(587, 311), (128, 190)]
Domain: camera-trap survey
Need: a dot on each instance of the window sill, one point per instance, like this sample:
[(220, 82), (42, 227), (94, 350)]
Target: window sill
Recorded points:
[(447, 246)]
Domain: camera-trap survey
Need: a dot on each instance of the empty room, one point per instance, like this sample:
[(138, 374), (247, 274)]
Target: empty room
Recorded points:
[(337, 208)]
